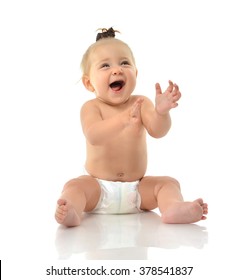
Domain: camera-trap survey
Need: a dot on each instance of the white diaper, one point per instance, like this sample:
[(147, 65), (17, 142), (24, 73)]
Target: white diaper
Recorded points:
[(118, 198)]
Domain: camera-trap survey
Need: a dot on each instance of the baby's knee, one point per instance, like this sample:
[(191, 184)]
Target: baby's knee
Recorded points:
[(173, 181), (164, 182), (74, 183)]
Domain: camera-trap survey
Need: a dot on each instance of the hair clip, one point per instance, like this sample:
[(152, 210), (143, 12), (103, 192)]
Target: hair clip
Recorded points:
[(106, 33)]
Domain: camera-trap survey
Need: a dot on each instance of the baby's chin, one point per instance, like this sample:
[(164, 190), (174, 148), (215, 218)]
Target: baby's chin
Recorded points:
[(114, 101)]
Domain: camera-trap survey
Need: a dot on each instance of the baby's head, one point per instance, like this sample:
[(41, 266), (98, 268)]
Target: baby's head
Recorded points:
[(108, 69), (107, 36)]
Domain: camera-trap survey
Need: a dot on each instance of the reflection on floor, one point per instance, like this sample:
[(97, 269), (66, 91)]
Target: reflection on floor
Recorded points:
[(125, 237)]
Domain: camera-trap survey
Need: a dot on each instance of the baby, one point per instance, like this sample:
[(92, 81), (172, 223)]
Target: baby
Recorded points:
[(115, 124)]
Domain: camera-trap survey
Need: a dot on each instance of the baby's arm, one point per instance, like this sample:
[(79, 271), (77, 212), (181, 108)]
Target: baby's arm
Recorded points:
[(156, 118), (98, 131)]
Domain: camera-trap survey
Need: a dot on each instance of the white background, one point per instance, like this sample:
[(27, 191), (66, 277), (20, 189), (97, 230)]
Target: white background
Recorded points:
[(192, 43)]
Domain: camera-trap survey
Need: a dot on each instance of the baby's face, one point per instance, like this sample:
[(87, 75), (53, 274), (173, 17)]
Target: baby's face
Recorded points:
[(112, 73)]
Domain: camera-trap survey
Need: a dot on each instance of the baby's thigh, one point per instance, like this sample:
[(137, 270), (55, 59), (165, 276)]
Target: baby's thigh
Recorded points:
[(149, 188)]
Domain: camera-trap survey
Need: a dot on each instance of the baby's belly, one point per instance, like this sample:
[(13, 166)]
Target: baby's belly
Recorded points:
[(127, 169), (120, 174), (120, 160)]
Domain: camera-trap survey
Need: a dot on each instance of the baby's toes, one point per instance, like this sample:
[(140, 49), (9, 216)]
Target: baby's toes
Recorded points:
[(59, 217), (61, 212), (205, 208)]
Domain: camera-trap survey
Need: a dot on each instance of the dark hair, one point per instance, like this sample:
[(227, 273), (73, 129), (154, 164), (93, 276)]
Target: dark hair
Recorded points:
[(106, 33)]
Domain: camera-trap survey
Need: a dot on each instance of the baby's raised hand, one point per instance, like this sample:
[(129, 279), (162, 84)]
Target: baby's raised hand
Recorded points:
[(168, 99), (135, 111)]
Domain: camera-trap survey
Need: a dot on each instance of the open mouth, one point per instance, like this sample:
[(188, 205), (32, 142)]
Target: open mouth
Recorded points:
[(117, 85)]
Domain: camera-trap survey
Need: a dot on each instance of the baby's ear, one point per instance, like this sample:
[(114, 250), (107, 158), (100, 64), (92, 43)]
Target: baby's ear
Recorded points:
[(87, 83)]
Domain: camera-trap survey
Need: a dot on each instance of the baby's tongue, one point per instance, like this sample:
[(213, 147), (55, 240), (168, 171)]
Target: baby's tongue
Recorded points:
[(116, 88)]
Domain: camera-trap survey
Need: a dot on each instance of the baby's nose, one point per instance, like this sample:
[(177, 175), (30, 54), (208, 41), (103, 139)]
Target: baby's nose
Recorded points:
[(117, 71)]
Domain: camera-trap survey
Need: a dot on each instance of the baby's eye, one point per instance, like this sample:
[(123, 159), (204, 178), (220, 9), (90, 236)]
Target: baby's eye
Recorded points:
[(125, 62), (104, 65)]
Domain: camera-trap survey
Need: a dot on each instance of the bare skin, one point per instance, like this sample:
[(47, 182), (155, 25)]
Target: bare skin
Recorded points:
[(66, 213), (115, 125)]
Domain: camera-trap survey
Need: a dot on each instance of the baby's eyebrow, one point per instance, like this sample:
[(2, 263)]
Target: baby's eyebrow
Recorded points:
[(102, 61)]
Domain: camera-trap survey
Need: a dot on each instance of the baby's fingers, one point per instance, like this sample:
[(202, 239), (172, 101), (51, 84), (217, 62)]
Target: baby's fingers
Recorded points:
[(176, 86), (176, 93), (138, 102), (135, 110), (158, 88), (170, 87)]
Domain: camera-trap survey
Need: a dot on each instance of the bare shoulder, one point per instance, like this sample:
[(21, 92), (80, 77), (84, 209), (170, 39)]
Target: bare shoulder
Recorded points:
[(146, 101), (89, 106)]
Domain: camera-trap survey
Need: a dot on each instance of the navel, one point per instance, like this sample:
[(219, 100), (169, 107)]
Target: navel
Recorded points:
[(120, 175)]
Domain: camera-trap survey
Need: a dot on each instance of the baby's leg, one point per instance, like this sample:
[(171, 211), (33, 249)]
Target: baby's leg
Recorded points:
[(79, 195), (165, 193)]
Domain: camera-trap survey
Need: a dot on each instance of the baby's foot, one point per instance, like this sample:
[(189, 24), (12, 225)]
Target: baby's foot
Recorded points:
[(185, 212), (66, 214)]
